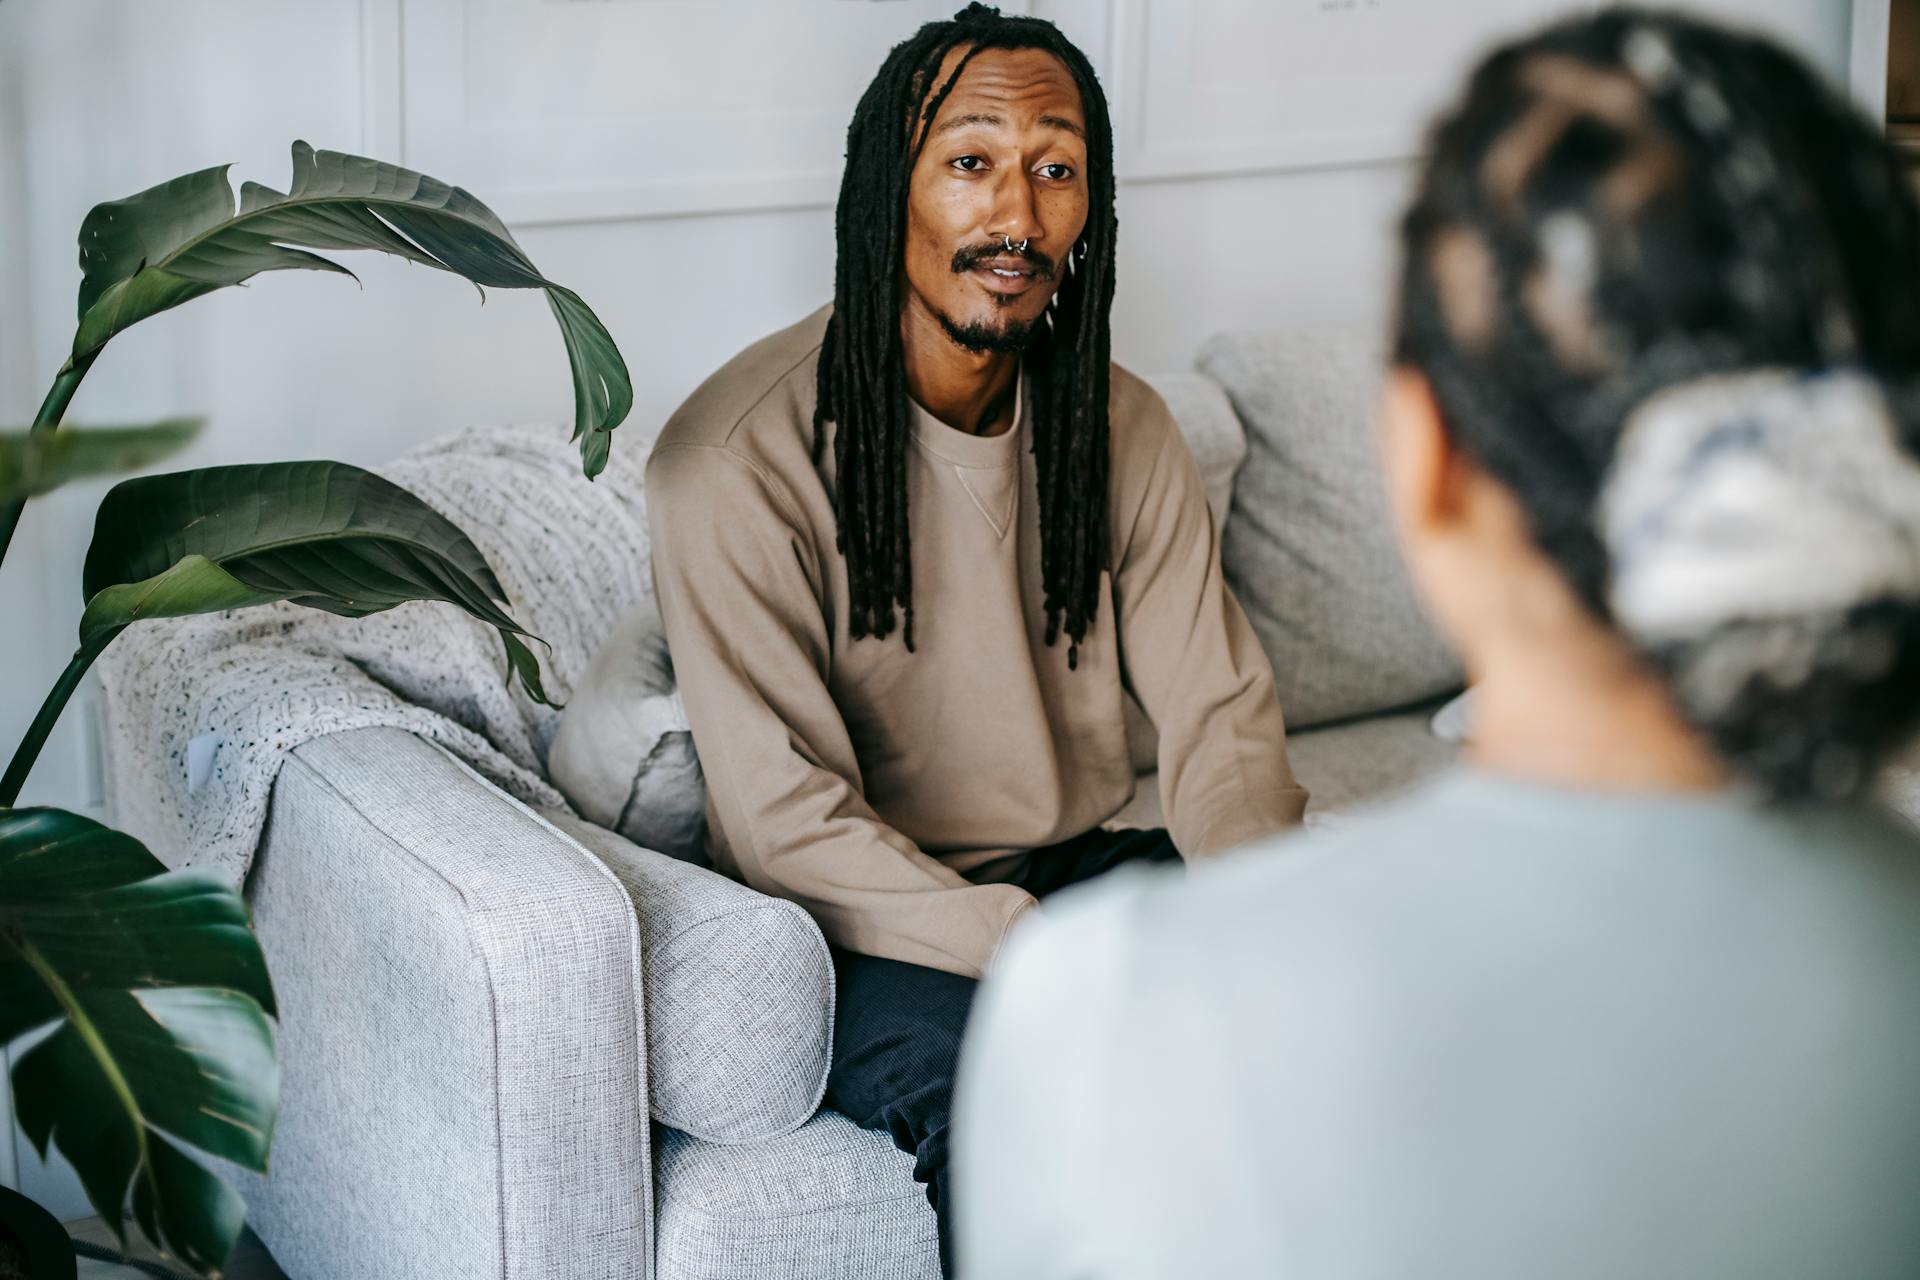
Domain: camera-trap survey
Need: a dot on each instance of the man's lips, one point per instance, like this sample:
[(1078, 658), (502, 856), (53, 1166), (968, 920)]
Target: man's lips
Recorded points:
[(1006, 273)]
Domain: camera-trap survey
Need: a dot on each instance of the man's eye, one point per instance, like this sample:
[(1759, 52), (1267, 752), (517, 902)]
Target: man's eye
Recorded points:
[(1056, 172), (969, 164)]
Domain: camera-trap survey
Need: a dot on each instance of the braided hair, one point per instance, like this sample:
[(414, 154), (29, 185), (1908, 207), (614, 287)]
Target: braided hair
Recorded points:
[(862, 378), (1642, 245)]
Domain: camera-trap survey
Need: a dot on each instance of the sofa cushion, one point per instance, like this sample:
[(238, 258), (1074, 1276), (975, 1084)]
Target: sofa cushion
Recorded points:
[(623, 754), (739, 995), (829, 1199), (1309, 547), (1343, 766), (1350, 766)]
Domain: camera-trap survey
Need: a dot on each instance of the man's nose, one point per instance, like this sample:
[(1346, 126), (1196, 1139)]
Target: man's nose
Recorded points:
[(1015, 215)]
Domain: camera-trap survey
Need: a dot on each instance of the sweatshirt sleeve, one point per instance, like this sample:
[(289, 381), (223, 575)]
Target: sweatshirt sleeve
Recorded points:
[(1197, 668), (739, 589)]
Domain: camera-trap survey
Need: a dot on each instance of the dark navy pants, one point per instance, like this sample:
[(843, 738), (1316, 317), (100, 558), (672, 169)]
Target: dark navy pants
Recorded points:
[(897, 1026)]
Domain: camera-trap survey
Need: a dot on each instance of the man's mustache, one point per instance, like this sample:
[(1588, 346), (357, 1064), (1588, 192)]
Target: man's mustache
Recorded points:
[(972, 256)]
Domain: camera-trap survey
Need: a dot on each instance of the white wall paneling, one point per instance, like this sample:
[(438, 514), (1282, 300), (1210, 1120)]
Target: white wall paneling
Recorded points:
[(571, 111), (1245, 86), (1820, 30), (1253, 86), (1867, 55), (382, 89)]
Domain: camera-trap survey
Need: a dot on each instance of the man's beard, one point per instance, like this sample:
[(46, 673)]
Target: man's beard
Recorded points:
[(1004, 337), (1008, 338)]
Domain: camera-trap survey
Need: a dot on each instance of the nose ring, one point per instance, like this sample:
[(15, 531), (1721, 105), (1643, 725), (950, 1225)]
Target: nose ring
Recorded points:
[(1011, 246)]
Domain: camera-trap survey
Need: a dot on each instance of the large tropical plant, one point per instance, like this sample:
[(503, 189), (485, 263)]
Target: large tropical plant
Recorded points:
[(156, 988)]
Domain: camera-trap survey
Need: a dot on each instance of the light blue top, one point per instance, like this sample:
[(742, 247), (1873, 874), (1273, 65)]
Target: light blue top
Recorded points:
[(1492, 1030)]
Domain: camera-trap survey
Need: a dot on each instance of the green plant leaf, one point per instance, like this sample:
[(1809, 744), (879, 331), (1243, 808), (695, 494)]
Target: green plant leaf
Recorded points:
[(322, 534), (50, 858), (105, 912), (194, 585), (169, 244), (198, 1215), (161, 994), (37, 462), (177, 930), (63, 1099), (37, 868)]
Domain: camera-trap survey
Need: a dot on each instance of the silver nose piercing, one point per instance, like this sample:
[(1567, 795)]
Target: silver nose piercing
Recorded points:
[(1011, 246)]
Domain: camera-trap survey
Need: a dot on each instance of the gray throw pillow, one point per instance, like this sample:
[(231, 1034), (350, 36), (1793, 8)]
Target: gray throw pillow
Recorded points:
[(623, 754), (1309, 547)]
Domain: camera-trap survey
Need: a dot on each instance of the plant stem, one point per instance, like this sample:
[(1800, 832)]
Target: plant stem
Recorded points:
[(30, 746), (52, 409)]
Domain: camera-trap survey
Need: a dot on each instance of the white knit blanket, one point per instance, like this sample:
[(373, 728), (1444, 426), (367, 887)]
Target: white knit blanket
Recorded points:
[(201, 712)]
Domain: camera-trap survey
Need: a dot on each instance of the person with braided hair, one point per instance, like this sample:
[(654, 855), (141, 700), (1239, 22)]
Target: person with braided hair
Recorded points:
[(1635, 990), (915, 554)]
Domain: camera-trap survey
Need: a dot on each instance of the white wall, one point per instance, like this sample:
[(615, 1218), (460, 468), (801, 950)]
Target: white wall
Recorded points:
[(100, 98)]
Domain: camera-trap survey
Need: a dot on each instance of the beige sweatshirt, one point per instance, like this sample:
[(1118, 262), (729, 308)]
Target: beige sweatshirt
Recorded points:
[(865, 782)]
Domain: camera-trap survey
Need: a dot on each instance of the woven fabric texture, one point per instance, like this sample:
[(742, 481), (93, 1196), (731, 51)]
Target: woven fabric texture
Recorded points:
[(830, 1201), (464, 1092), (201, 711), (739, 995), (1309, 546)]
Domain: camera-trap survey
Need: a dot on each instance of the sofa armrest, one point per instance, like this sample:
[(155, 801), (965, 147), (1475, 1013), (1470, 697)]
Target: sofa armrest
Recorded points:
[(464, 1089), (739, 995)]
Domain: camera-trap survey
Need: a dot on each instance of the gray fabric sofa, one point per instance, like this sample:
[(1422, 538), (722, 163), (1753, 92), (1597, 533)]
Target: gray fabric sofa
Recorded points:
[(517, 1045)]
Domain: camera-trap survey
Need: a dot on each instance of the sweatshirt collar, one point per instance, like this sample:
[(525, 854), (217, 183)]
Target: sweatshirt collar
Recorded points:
[(964, 449)]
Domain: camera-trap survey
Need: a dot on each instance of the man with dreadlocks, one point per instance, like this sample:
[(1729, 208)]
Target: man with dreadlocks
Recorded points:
[(915, 553)]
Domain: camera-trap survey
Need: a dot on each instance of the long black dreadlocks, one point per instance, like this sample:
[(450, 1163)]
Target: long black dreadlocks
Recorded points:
[(862, 374)]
